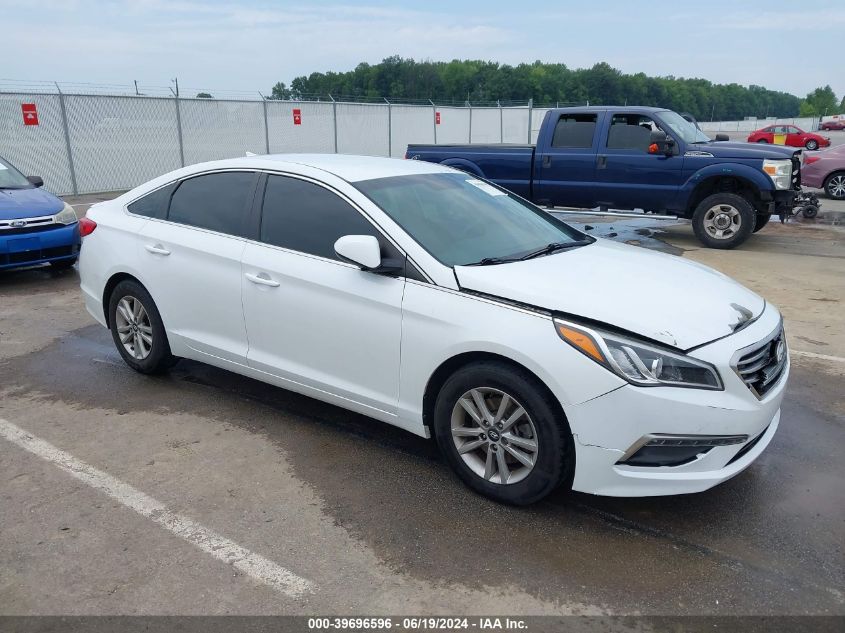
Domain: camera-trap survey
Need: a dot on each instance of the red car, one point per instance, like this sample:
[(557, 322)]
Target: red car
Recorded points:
[(835, 124), (795, 137), (826, 170)]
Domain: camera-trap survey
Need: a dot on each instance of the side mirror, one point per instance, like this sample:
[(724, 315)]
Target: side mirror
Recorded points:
[(661, 143), (722, 137), (38, 181), (365, 252)]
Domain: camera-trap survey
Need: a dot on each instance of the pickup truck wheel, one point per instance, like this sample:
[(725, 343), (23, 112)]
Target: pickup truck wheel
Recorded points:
[(834, 186), (761, 220), (723, 220)]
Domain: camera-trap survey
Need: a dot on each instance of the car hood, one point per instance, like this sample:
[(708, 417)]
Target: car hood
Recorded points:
[(660, 297), (728, 149), (27, 203)]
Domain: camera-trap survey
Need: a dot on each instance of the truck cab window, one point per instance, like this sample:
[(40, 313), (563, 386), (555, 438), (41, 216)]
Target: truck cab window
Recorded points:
[(630, 131), (575, 130)]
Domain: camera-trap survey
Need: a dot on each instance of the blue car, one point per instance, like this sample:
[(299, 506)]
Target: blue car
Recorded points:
[(35, 226)]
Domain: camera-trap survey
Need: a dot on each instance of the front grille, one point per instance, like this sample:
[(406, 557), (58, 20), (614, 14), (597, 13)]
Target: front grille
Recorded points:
[(760, 366), (796, 171), (35, 228), (30, 225)]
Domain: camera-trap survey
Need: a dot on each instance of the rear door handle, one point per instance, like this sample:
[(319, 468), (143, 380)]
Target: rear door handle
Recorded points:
[(158, 249), (262, 279), (601, 162)]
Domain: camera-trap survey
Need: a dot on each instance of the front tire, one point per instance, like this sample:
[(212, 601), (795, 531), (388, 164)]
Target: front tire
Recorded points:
[(723, 220), (834, 186), (503, 433), (137, 329), (811, 144), (761, 220)]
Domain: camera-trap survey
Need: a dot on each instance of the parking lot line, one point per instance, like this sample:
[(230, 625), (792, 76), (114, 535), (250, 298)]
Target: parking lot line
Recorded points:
[(835, 359), (253, 565)]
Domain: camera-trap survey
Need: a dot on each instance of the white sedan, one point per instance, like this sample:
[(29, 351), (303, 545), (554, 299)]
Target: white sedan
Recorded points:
[(428, 299)]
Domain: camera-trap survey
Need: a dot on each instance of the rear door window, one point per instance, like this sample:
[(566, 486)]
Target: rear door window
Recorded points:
[(575, 131), (218, 202)]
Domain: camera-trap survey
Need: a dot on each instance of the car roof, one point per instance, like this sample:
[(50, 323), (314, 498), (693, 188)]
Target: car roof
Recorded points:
[(346, 166), (627, 109)]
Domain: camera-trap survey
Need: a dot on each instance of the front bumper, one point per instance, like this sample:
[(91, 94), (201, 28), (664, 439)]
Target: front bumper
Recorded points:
[(25, 249), (606, 428)]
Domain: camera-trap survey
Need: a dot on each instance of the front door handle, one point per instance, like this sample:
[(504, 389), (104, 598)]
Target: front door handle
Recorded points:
[(547, 161), (158, 249), (601, 162), (262, 279)]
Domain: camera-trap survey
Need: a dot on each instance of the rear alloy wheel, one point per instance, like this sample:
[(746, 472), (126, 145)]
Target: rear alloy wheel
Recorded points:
[(834, 186), (137, 329), (503, 433), (723, 220), (762, 140), (811, 144)]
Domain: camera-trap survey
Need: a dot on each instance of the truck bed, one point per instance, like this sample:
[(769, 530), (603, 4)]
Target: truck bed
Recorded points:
[(508, 165)]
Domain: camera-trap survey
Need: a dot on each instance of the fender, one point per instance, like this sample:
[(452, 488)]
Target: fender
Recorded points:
[(464, 165), (737, 170)]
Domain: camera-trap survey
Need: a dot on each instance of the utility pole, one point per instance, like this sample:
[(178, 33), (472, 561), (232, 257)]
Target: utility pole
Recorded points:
[(176, 81), (137, 94)]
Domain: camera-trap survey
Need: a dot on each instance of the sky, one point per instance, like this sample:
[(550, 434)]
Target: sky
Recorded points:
[(249, 45)]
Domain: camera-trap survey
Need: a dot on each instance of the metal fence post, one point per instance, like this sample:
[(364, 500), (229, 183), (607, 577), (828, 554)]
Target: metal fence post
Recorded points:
[(334, 125), (67, 141), (501, 123), (179, 132), (389, 129), (266, 127), (434, 119), (530, 107), (470, 121)]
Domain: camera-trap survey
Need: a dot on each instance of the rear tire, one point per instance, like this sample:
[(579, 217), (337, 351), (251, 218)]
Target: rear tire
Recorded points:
[(762, 140), (534, 455), (761, 220), (137, 329), (723, 220), (834, 185)]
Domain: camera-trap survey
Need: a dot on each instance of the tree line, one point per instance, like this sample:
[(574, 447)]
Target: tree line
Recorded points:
[(547, 84)]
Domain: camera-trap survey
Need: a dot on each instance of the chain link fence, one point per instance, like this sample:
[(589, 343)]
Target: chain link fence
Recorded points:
[(89, 143)]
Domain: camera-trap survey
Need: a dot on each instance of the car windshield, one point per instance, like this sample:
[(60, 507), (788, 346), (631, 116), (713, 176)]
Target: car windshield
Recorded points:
[(462, 220), (682, 128), (11, 178)]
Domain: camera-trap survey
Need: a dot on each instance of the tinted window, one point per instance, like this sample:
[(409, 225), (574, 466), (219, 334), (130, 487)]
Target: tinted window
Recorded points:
[(630, 131), (305, 217), (154, 204), (574, 130), (216, 201)]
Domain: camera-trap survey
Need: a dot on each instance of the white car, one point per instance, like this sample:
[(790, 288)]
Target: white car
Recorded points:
[(428, 299)]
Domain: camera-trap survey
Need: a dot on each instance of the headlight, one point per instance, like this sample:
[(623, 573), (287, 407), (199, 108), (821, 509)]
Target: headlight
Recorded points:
[(66, 215), (638, 362), (780, 171)]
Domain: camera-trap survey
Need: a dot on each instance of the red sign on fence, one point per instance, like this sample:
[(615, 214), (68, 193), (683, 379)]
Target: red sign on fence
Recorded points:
[(437, 118), (30, 114), (297, 116)]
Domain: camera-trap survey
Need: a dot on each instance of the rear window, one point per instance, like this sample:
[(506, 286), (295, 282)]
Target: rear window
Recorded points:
[(575, 130), (154, 204)]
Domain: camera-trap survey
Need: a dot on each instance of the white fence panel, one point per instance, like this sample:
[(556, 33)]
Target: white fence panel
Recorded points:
[(37, 150), (212, 130), (314, 134), (410, 124), (515, 125), (121, 142), (362, 129), (486, 125), (453, 126), (537, 116)]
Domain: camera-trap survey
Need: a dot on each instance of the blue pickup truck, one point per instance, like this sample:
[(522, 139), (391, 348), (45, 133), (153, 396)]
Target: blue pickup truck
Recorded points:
[(639, 158)]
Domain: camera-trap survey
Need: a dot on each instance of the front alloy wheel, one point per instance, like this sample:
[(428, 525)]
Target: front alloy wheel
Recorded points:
[(494, 435), (134, 327), (812, 144)]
